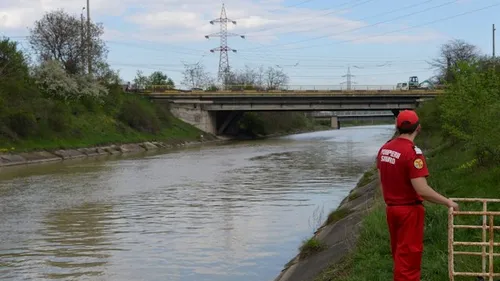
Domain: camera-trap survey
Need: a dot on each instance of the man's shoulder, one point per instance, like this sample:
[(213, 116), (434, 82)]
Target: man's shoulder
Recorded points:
[(403, 147), (417, 150)]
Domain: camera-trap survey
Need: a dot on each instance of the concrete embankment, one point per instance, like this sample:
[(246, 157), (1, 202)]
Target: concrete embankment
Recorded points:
[(11, 159), (337, 236)]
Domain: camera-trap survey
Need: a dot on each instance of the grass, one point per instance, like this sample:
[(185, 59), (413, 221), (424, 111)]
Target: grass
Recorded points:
[(452, 173), (337, 215), (367, 177), (310, 247), (354, 195), (98, 129)]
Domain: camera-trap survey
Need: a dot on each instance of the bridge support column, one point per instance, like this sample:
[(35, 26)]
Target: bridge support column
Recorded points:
[(334, 122), (195, 115)]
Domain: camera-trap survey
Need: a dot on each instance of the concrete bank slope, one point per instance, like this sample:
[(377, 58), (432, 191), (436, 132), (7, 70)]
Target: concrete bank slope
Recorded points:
[(11, 159), (337, 236)]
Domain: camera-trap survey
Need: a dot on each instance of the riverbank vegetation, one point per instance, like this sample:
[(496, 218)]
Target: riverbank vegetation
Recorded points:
[(462, 147), (258, 123), (67, 95)]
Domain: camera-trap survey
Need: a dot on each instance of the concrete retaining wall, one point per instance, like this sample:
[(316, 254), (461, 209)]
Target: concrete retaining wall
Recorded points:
[(10, 159), (339, 237)]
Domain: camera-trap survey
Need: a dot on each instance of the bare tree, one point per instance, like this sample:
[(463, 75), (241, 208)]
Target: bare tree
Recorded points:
[(195, 76), (257, 79), (275, 78), (450, 55), (58, 36)]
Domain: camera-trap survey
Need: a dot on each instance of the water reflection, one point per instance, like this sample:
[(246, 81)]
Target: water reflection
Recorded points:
[(229, 212), (76, 239)]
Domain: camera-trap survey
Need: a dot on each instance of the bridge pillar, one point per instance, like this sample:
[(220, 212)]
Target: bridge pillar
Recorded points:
[(335, 123), (195, 115)]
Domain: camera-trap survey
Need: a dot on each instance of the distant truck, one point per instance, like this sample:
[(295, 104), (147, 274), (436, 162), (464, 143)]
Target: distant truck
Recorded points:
[(414, 84)]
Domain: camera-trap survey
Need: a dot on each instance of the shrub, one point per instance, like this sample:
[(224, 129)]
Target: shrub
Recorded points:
[(54, 82), (470, 110), (138, 115)]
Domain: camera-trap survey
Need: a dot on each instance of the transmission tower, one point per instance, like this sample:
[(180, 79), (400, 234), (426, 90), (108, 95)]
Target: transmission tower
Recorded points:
[(348, 76), (223, 48)]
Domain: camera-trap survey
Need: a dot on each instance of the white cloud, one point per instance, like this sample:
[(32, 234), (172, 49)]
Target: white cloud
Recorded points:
[(187, 21)]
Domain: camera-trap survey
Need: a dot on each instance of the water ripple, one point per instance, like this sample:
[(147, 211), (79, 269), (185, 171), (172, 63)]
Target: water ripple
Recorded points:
[(235, 212)]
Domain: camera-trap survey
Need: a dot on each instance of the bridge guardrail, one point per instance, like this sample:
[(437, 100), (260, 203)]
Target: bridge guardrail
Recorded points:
[(487, 227), (159, 90), (302, 88)]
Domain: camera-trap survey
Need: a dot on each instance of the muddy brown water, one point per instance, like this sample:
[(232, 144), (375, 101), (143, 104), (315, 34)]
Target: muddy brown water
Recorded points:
[(236, 211)]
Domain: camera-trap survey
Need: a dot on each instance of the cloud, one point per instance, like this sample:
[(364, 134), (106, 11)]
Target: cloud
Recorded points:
[(188, 21)]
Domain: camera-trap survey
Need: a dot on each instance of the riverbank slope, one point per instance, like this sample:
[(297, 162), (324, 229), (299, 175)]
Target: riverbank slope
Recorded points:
[(134, 124), (462, 149), (335, 239), (463, 157)]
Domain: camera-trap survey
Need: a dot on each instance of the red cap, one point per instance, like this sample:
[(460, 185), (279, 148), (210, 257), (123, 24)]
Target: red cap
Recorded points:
[(406, 118)]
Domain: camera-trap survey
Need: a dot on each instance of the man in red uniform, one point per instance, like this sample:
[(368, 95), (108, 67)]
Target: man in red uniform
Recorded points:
[(403, 171)]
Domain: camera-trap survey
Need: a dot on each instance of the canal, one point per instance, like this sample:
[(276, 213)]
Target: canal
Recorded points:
[(236, 211)]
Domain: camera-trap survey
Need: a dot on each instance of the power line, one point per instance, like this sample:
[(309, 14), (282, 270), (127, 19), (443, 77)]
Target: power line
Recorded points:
[(223, 48), (306, 19), (361, 19), (398, 30), (293, 5), (358, 28), (269, 57)]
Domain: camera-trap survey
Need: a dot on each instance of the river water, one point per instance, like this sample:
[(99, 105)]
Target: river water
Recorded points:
[(236, 211)]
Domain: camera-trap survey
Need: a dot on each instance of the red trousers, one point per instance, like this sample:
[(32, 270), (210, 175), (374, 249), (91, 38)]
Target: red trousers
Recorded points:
[(406, 228)]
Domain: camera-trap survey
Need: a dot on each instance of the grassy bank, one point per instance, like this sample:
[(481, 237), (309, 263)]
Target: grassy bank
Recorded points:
[(122, 119), (462, 148), (46, 107), (275, 123)]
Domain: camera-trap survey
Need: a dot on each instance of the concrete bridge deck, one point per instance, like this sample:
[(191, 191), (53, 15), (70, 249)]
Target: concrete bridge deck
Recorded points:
[(216, 112), (296, 101)]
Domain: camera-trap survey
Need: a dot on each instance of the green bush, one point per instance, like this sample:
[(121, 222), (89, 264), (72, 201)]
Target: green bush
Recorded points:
[(470, 110), (51, 109), (23, 123), (139, 115)]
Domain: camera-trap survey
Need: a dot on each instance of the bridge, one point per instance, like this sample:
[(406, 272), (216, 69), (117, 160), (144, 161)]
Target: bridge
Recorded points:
[(216, 112), (353, 115)]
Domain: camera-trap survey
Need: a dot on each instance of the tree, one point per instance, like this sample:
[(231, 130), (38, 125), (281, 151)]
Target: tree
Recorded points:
[(54, 82), (195, 76), (158, 78), (105, 75), (275, 78), (12, 62), (141, 81), (451, 54), (470, 109), (57, 84), (257, 79), (58, 36)]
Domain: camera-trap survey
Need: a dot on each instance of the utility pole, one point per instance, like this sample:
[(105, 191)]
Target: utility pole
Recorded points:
[(89, 44), (223, 48), (82, 41), (494, 40)]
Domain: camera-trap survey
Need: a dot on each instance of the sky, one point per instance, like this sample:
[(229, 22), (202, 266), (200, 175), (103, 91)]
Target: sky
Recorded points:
[(383, 42)]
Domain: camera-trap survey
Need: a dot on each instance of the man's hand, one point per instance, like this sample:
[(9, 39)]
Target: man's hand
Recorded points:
[(453, 205)]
